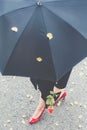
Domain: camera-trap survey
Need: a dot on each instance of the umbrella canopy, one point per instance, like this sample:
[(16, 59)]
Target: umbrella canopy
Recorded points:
[(42, 39)]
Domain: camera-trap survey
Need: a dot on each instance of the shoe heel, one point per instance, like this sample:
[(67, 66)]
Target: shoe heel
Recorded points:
[(63, 96), (63, 99)]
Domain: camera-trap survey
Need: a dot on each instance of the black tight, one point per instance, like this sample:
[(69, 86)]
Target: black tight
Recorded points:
[(46, 86)]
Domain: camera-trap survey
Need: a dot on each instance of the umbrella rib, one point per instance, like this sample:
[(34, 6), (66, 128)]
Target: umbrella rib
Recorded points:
[(65, 22), (49, 46)]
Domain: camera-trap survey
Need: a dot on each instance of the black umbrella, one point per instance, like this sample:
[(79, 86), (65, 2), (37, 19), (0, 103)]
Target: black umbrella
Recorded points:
[(42, 39)]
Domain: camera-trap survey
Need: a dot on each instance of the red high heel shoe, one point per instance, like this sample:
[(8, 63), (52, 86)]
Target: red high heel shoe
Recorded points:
[(62, 97), (34, 120)]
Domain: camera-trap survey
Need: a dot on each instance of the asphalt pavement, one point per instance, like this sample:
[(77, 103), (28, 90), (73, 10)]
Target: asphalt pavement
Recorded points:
[(18, 100)]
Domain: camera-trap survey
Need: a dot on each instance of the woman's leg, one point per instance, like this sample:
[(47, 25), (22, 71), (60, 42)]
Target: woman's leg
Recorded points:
[(39, 109), (63, 81), (61, 84), (45, 87), (34, 82)]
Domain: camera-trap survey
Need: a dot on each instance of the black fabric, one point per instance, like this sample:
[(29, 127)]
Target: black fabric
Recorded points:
[(46, 86), (65, 21), (63, 81)]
